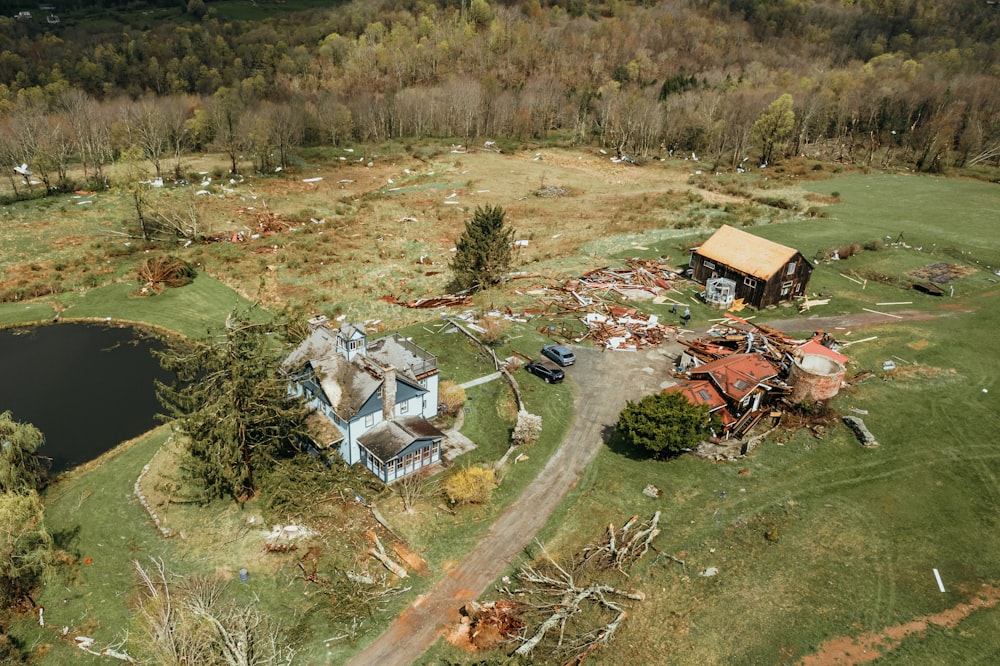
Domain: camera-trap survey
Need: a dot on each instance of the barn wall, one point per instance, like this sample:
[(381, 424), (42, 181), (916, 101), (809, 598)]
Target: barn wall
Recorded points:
[(767, 292)]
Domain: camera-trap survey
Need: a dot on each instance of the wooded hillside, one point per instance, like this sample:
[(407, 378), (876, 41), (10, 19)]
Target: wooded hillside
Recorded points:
[(907, 82)]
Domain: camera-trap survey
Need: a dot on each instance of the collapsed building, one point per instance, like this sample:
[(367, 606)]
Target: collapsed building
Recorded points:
[(746, 372)]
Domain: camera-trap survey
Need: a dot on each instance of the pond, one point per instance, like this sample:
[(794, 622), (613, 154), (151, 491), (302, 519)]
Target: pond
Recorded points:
[(87, 387)]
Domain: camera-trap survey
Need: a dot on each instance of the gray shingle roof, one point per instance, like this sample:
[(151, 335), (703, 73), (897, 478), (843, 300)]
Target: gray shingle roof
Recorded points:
[(389, 438)]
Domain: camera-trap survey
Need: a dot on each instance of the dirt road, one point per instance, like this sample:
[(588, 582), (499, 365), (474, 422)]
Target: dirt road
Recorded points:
[(627, 376)]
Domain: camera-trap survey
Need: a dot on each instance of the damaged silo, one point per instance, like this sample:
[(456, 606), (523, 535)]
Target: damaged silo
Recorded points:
[(815, 377)]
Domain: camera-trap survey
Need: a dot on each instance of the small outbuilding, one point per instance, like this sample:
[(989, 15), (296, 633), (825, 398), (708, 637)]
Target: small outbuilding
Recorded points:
[(764, 272)]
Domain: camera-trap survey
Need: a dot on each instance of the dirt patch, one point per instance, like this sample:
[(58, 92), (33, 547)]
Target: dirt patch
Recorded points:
[(867, 647), (942, 273), (918, 344)]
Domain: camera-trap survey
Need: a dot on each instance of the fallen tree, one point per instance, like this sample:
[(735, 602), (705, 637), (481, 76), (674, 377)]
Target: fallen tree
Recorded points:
[(568, 611)]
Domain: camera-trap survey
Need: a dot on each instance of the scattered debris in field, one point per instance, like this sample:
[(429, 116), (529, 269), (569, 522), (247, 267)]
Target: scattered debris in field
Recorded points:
[(942, 272)]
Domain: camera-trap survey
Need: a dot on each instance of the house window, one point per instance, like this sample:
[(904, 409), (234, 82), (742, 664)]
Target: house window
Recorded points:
[(391, 467), (708, 264), (369, 420), (404, 406), (355, 344), (750, 282), (791, 268)]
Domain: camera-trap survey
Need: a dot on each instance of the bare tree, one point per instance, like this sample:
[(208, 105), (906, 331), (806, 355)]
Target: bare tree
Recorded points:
[(177, 114), (226, 110), (149, 130), (90, 123), (195, 623), (286, 129)]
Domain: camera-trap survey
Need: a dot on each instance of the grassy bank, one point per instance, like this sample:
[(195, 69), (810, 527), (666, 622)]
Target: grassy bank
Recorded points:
[(191, 310)]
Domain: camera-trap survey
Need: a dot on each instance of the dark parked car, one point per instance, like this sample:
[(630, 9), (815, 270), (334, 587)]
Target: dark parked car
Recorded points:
[(562, 355), (547, 370)]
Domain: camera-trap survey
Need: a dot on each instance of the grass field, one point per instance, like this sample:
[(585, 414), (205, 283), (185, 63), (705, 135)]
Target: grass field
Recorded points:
[(858, 531)]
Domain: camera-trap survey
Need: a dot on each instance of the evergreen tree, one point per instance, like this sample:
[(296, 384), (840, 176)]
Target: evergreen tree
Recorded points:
[(485, 251), (22, 470), (664, 423), (233, 407)]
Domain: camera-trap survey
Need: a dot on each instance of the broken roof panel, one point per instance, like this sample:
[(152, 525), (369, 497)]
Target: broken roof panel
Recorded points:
[(746, 253), (738, 374), (814, 346)]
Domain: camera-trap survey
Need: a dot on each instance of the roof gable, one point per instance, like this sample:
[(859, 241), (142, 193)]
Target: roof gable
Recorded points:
[(746, 253)]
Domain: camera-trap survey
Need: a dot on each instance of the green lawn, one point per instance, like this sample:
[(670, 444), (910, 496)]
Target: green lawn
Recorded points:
[(191, 310), (96, 520)]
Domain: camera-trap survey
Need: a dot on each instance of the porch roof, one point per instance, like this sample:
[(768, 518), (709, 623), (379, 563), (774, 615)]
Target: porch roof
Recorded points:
[(390, 438)]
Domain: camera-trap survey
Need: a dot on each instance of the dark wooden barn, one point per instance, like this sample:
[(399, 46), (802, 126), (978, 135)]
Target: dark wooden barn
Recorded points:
[(765, 272)]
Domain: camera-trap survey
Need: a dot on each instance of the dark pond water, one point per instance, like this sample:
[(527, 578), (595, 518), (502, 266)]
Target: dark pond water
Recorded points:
[(87, 387)]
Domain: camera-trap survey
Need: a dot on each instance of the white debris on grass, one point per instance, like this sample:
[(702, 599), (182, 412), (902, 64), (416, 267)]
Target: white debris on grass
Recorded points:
[(280, 533)]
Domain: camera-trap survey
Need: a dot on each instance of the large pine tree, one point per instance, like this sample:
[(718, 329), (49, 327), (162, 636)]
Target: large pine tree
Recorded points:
[(232, 406), (485, 251)]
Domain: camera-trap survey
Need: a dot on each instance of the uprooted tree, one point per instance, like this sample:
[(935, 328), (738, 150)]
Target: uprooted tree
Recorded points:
[(191, 620), (567, 611), (484, 253), (26, 548)]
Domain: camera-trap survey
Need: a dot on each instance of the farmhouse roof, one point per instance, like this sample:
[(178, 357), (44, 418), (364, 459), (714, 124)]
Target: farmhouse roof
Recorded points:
[(347, 384), (389, 438), (699, 392), (746, 253), (738, 374)]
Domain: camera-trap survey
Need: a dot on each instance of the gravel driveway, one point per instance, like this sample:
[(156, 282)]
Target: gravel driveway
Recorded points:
[(606, 381)]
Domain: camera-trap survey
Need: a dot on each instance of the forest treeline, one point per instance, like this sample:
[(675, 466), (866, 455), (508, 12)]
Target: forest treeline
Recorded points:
[(877, 82)]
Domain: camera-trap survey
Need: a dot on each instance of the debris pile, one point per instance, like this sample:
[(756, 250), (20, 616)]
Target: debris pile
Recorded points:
[(739, 336), (446, 301), (639, 275), (861, 431), (265, 221), (625, 329)]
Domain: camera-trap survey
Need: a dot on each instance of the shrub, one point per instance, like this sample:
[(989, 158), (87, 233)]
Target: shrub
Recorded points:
[(494, 330), (847, 251), (452, 397), (470, 485), (528, 428)]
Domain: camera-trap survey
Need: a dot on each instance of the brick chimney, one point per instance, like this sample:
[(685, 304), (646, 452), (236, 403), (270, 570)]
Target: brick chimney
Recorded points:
[(388, 393)]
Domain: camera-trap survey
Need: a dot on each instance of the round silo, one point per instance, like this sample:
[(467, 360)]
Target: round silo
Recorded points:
[(815, 377)]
